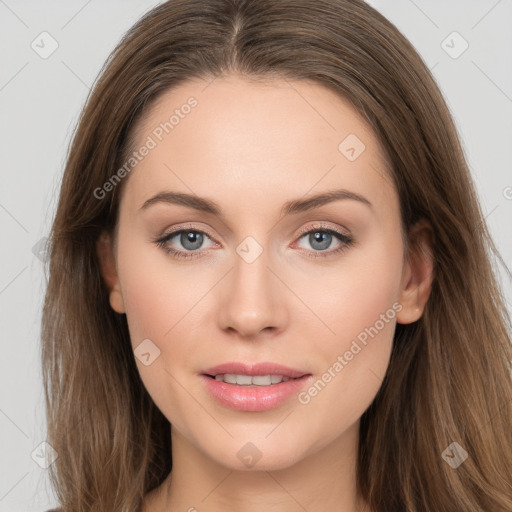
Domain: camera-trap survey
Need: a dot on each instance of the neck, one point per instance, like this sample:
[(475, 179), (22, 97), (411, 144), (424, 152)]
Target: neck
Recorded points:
[(323, 481)]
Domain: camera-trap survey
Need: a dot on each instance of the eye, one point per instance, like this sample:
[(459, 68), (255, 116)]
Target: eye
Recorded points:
[(190, 239), (322, 238)]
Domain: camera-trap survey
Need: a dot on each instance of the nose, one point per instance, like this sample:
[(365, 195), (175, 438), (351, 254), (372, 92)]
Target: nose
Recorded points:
[(253, 299)]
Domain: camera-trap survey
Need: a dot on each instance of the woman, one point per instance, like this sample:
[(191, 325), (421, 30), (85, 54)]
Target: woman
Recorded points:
[(270, 283)]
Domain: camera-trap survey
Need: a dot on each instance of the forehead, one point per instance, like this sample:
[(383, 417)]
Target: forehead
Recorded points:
[(257, 141)]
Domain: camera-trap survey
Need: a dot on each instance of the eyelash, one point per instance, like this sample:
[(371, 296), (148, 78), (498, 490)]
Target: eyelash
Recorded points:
[(346, 240)]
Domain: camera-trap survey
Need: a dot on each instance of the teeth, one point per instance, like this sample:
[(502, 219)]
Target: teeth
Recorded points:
[(244, 380), (248, 380)]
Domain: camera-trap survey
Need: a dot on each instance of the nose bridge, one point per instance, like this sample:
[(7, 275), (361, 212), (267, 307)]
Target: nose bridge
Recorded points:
[(252, 297)]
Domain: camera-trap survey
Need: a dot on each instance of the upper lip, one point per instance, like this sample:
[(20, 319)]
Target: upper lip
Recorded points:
[(265, 368)]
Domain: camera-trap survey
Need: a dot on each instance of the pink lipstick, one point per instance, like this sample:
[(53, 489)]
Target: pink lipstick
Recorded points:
[(253, 387)]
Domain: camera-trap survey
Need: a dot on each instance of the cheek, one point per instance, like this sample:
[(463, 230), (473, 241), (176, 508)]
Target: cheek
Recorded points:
[(166, 302), (359, 305), (162, 305), (158, 293), (351, 294)]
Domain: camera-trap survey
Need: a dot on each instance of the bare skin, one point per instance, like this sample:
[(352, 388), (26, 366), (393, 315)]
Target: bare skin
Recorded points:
[(251, 147)]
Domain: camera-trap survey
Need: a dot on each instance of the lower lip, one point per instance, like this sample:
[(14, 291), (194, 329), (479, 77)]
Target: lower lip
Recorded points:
[(254, 398)]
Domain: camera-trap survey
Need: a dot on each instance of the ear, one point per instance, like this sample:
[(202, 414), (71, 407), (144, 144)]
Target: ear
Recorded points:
[(417, 275), (105, 252)]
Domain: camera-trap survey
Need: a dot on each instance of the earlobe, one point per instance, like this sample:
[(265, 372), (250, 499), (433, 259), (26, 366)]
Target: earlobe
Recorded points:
[(418, 273), (105, 252)]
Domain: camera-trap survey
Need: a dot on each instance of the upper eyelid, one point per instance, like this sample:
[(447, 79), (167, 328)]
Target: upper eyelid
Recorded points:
[(321, 226), (324, 227)]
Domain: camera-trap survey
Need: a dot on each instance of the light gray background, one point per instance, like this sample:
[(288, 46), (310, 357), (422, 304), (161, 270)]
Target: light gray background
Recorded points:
[(40, 100)]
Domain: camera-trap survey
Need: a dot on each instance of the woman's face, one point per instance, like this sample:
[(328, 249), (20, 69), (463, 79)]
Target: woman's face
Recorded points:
[(267, 274)]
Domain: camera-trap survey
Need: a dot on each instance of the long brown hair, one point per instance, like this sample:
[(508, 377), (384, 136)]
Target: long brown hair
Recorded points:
[(449, 376)]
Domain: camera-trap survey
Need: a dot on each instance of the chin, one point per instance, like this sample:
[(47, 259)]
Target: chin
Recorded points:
[(258, 455)]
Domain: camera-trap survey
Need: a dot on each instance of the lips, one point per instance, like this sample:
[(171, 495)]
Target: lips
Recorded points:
[(254, 369), (252, 394)]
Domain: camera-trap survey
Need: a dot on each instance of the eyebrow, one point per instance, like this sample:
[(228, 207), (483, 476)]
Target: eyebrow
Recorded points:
[(289, 208)]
